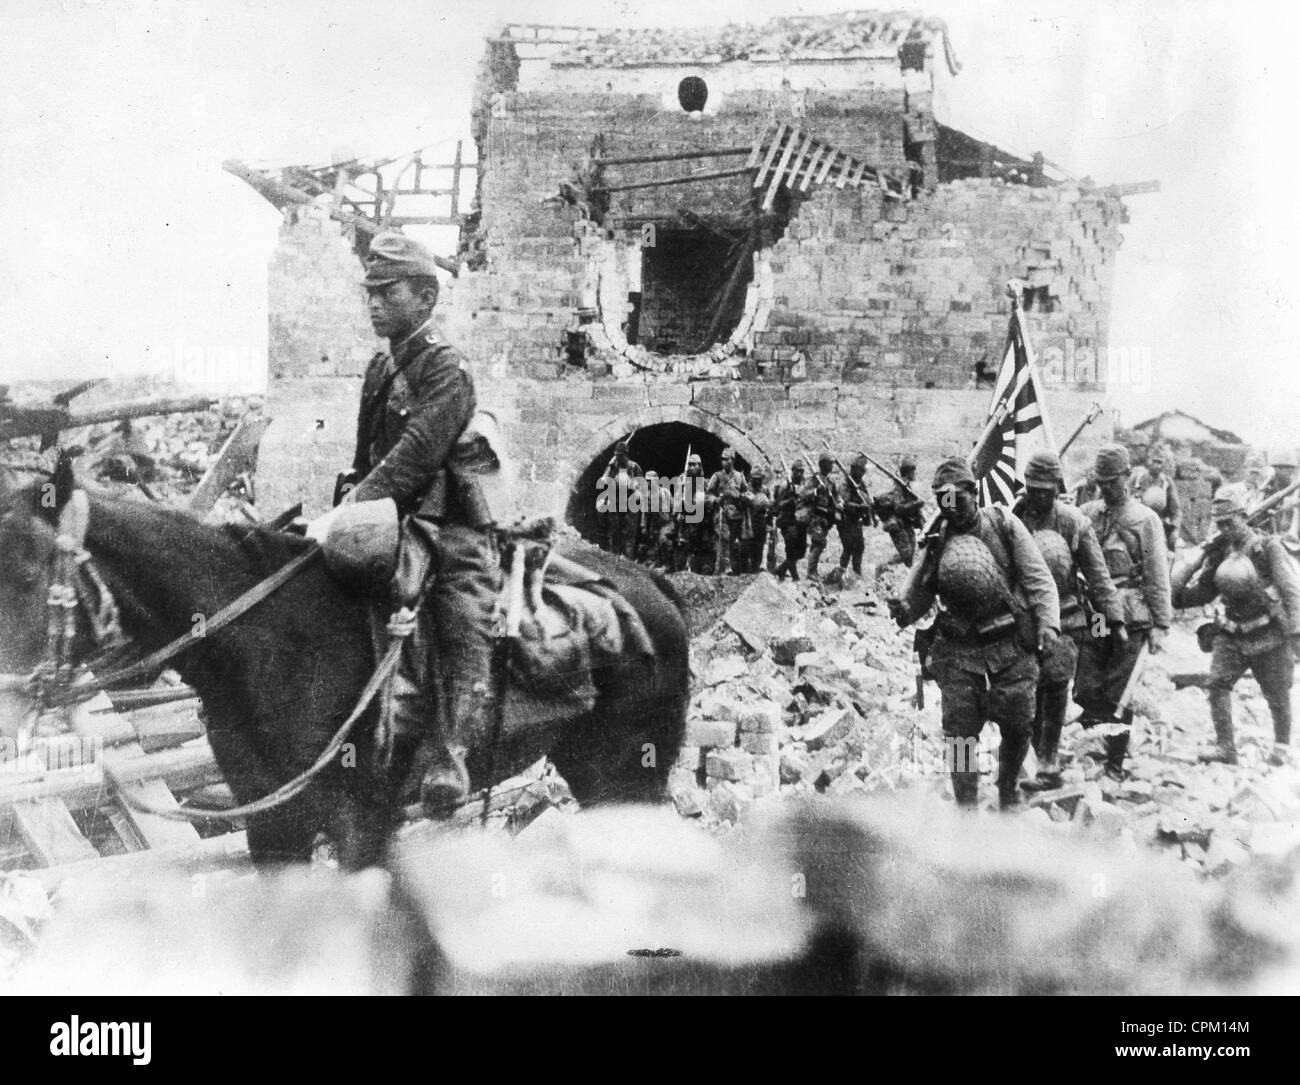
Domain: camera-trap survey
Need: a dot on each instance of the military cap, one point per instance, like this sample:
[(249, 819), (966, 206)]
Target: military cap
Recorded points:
[(694, 457), (758, 471), (1228, 501), (907, 462), (953, 473), (620, 446), (395, 256), (728, 453), (1043, 470), (1284, 457), (1112, 462), (796, 469), (859, 461), (825, 457)]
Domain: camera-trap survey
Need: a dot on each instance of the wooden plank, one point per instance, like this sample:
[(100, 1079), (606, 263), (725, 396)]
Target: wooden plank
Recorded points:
[(846, 167), (826, 168), (771, 154), (684, 180), (796, 164), (182, 769), (779, 172), (756, 150), (50, 834), (237, 455), (812, 166), (675, 156), (228, 852), (154, 830)]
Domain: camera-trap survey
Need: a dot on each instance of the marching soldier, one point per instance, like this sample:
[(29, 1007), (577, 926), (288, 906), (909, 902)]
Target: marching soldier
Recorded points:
[(691, 525), (1282, 520), (1154, 486), (1133, 544), (1070, 547), (855, 506), (416, 401), (998, 605), (758, 514), (1256, 629), (823, 510), (621, 523), (900, 512), (1256, 470), (792, 521), (726, 488), (656, 511)]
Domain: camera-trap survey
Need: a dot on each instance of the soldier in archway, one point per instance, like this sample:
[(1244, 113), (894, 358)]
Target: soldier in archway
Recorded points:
[(619, 520)]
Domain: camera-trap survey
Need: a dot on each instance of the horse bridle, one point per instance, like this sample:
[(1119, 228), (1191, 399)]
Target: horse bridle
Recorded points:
[(75, 584), (59, 679)]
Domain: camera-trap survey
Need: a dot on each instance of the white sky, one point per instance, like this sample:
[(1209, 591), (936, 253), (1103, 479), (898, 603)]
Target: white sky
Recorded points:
[(126, 244)]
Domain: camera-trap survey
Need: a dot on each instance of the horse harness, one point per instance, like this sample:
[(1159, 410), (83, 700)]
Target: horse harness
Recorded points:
[(57, 680)]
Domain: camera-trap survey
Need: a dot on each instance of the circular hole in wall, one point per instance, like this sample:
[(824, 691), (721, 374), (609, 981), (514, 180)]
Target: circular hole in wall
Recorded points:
[(693, 92)]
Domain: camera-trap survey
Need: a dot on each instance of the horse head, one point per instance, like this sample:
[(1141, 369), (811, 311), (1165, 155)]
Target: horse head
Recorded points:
[(52, 604)]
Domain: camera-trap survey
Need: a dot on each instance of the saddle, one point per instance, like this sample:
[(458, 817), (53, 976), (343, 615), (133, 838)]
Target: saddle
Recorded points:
[(562, 623)]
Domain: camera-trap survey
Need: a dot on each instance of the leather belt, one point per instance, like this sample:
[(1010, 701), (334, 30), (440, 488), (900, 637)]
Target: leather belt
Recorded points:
[(1250, 626)]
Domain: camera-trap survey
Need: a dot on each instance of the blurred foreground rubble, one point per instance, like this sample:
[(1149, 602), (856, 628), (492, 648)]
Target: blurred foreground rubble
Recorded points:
[(900, 895)]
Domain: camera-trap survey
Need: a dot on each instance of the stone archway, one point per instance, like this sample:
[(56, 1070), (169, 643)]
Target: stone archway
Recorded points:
[(659, 439)]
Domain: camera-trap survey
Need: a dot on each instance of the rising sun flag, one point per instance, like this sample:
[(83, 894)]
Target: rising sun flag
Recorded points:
[(1017, 425)]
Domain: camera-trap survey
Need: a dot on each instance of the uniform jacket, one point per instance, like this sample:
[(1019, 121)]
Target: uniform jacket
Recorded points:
[(1077, 531), (818, 496), (725, 489), (1016, 554), (785, 503), (855, 500), (1276, 571), (901, 506), (1133, 545), (414, 405)]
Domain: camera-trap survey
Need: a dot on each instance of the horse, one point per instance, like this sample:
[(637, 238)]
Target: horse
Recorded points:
[(277, 682)]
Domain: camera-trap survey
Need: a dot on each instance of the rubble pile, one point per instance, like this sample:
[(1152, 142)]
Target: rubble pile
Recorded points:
[(802, 690), (168, 453)]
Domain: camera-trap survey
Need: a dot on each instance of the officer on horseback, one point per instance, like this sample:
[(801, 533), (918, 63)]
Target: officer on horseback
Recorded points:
[(416, 402)]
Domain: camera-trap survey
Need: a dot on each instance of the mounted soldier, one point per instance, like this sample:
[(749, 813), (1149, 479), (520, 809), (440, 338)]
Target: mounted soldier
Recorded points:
[(1070, 547), (1133, 544), (792, 521), (1256, 626), (998, 606), (823, 506), (417, 401)]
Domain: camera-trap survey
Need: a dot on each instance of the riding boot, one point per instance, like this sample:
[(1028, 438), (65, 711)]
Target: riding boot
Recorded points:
[(966, 788), (1011, 756), (1224, 750), (446, 778), (857, 564), (814, 556)]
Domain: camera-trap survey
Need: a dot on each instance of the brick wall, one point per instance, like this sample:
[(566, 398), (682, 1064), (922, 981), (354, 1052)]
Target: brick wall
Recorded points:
[(317, 312)]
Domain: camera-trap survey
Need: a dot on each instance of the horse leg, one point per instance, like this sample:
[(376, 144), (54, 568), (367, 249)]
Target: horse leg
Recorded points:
[(281, 836), (360, 830), (622, 751)]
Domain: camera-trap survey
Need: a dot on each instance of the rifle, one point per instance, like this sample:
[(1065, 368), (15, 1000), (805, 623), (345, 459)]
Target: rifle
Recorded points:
[(1091, 417), (897, 479), (819, 481), (864, 498)]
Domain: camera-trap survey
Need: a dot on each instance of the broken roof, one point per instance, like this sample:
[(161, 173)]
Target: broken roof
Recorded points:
[(846, 36), (1183, 426)]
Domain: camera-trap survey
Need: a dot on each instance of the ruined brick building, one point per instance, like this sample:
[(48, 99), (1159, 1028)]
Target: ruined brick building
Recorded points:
[(757, 236)]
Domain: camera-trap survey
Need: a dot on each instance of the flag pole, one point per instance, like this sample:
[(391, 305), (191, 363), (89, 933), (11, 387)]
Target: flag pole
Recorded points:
[(1015, 287)]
